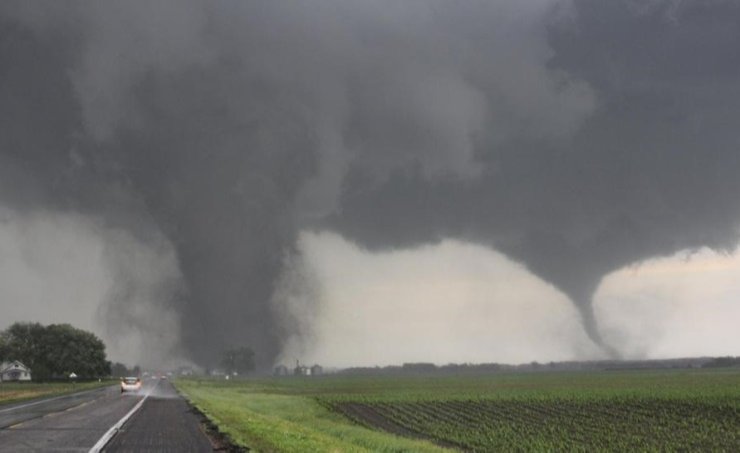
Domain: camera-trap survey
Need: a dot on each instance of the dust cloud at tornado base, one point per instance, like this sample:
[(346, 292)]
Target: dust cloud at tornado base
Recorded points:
[(573, 137)]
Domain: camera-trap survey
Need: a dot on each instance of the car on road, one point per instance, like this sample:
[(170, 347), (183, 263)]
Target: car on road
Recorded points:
[(130, 384)]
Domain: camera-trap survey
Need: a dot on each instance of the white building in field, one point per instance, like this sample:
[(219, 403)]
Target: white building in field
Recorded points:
[(14, 371)]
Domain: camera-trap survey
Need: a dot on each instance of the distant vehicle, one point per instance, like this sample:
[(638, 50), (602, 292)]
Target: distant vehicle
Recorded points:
[(130, 384)]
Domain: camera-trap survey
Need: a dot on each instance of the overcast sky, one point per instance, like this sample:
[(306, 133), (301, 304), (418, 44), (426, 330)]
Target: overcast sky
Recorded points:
[(450, 181)]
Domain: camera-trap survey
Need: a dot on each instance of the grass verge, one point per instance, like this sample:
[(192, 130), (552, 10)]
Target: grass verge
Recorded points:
[(14, 392), (286, 423)]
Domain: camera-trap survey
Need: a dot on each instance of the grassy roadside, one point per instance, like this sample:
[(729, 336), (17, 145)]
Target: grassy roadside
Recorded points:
[(272, 422), (13, 392)]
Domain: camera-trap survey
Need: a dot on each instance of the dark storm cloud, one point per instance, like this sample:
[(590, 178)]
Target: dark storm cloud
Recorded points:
[(651, 171), (574, 137)]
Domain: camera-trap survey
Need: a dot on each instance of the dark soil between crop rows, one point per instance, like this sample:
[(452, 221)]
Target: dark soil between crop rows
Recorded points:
[(368, 416)]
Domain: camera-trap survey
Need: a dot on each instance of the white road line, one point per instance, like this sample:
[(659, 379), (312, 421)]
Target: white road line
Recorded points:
[(47, 400), (103, 441)]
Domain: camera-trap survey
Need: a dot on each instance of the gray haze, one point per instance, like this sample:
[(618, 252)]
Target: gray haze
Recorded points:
[(575, 136)]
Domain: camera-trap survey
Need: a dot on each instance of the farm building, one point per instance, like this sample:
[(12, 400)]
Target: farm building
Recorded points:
[(303, 370), (14, 371), (280, 370)]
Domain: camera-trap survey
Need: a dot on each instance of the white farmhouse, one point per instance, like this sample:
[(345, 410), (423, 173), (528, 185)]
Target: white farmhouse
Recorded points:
[(14, 371)]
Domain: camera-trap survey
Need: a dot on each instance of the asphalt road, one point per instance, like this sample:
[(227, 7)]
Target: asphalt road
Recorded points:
[(165, 423), (77, 422)]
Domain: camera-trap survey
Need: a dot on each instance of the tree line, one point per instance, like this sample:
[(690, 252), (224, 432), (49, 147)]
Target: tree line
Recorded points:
[(120, 370), (54, 351), (239, 360)]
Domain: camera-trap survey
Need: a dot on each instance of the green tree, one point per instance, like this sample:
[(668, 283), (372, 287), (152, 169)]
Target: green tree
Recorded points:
[(21, 341), (120, 370), (54, 351), (239, 360)]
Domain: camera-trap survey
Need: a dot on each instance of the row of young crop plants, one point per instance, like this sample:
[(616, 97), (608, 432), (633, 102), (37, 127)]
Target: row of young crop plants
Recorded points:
[(557, 424)]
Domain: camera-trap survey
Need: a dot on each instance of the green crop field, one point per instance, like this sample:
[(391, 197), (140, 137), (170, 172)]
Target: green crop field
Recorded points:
[(669, 410)]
